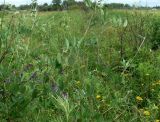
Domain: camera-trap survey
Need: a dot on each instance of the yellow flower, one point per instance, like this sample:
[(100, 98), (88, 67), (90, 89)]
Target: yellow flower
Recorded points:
[(138, 98), (157, 120), (146, 113), (98, 97)]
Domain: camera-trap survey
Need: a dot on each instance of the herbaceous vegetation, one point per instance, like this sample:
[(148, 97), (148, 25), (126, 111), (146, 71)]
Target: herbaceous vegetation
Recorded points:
[(96, 64)]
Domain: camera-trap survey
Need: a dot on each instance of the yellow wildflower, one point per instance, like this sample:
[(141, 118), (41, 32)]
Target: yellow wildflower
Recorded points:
[(146, 113), (98, 97), (138, 98)]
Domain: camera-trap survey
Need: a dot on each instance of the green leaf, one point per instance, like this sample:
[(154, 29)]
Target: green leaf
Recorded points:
[(125, 23), (67, 44), (88, 3), (59, 58)]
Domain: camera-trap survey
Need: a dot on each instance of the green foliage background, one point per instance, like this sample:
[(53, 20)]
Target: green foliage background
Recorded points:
[(79, 66)]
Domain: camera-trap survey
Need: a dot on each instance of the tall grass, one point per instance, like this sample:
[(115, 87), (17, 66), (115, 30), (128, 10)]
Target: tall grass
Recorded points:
[(79, 66)]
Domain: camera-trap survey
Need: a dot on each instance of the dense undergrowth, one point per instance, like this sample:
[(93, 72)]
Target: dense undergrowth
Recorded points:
[(101, 66)]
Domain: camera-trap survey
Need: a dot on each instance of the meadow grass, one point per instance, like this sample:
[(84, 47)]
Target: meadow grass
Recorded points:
[(79, 66)]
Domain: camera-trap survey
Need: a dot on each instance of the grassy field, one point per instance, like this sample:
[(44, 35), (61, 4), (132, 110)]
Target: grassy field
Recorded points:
[(80, 66)]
